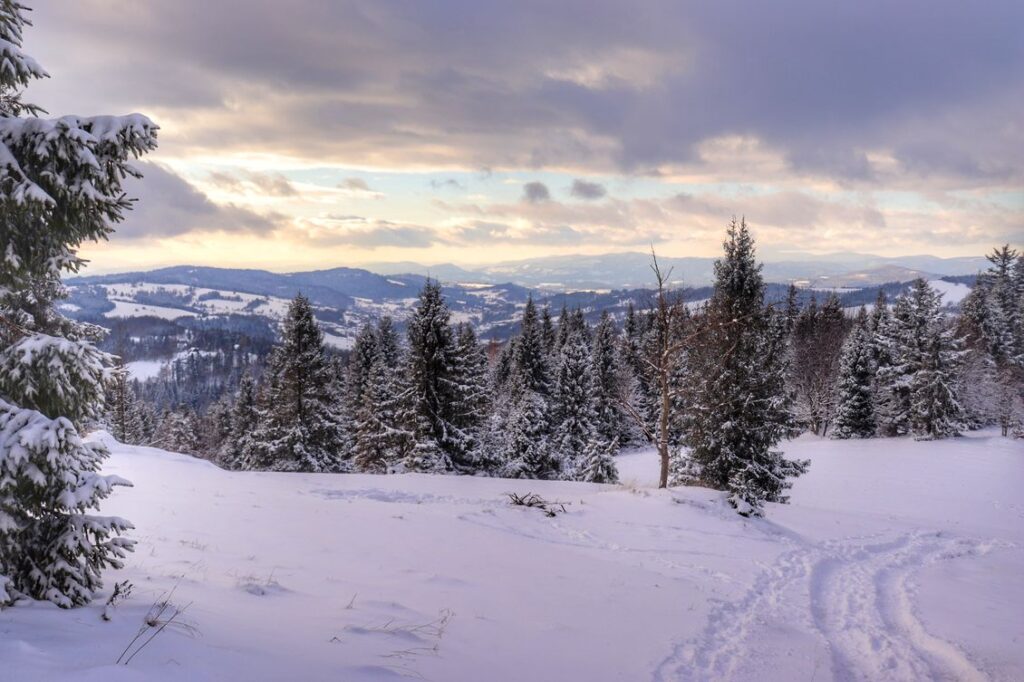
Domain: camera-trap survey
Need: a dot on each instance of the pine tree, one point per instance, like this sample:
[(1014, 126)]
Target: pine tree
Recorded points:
[(215, 427), (932, 355), (598, 462), (381, 440), (434, 390), (237, 451), (360, 360), (301, 427), (61, 186), (737, 404), (610, 422), (572, 406), (547, 332), (892, 371), (524, 435), (178, 431), (124, 417), (855, 412), (530, 359), (472, 400)]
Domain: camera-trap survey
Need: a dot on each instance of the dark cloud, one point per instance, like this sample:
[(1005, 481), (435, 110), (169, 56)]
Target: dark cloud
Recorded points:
[(581, 189), (534, 192), (490, 84), (168, 206)]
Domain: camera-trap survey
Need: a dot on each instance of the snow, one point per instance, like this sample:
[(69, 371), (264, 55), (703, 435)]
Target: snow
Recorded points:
[(896, 560), (952, 292), (128, 309), (145, 369)]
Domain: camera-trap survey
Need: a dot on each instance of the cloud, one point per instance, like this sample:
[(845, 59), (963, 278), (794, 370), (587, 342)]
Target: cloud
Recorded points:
[(581, 189), (535, 192), (249, 182), (857, 123), (168, 206), (336, 229), (447, 183), (355, 184), (628, 90)]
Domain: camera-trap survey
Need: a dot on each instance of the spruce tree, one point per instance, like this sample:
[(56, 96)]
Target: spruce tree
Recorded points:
[(598, 462), (301, 427), (381, 437), (608, 391), (472, 400), (178, 431), (523, 436), (124, 416), (530, 358), (61, 186), (434, 391), (237, 451), (360, 360), (572, 405), (933, 357), (737, 404), (892, 371), (855, 412)]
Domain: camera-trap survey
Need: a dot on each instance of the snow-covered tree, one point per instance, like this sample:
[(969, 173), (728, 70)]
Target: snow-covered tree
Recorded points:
[(123, 414), (178, 431), (572, 404), (472, 399), (434, 392), (816, 345), (381, 440), (300, 428), (597, 465), (530, 357), (737, 407), (237, 450), (892, 372), (360, 360), (855, 410), (523, 436), (609, 383), (60, 185), (933, 355)]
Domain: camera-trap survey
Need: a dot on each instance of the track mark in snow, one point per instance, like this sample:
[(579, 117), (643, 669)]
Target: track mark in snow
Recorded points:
[(856, 595)]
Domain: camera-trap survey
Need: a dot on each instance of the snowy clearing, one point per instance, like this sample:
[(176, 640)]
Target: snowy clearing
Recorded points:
[(896, 560)]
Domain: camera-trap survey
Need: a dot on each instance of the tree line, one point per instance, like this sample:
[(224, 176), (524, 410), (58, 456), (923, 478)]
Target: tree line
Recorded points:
[(715, 386)]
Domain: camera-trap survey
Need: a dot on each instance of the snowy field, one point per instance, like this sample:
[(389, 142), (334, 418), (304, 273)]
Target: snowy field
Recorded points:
[(896, 560)]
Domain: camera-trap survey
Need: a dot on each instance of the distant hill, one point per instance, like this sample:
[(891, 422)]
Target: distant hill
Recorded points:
[(631, 270)]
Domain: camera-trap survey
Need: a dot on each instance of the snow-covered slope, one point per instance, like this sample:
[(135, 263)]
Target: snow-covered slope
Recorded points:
[(896, 560)]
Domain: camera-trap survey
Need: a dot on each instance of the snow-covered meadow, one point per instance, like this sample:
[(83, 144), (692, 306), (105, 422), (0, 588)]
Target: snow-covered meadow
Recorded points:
[(896, 560)]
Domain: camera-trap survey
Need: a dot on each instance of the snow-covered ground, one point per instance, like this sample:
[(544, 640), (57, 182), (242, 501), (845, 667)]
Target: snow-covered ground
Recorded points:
[(896, 560), (952, 292)]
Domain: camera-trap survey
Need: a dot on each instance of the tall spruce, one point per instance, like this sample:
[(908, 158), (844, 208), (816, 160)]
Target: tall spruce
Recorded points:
[(572, 404), (301, 428), (60, 186), (855, 411), (381, 439), (237, 451), (737, 405), (434, 392), (609, 420), (932, 354)]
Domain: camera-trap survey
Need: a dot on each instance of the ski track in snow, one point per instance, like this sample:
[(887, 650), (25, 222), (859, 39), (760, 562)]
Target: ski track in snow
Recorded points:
[(856, 594)]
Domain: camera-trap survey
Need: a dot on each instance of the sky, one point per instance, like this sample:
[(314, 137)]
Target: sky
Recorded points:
[(318, 133)]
